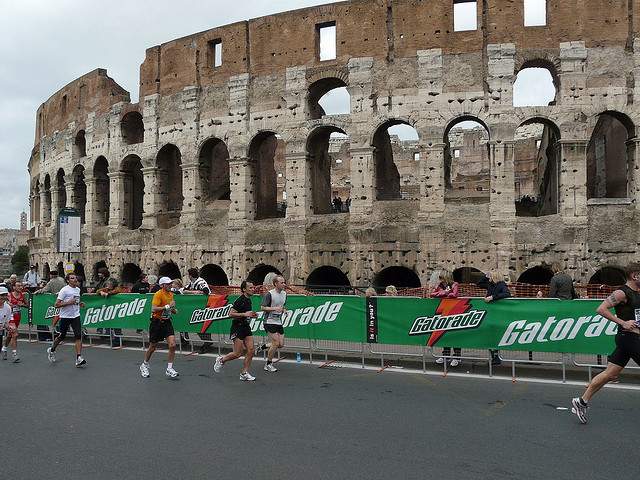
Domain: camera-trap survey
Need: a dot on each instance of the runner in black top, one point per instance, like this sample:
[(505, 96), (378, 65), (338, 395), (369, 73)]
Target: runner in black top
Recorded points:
[(240, 333), (626, 302)]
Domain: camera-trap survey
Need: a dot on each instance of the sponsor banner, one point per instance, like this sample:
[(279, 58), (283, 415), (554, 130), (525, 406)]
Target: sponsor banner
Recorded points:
[(542, 325), (372, 319), (321, 318)]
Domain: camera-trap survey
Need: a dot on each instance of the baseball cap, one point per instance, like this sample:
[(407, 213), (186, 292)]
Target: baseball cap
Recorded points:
[(164, 281), (4, 291)]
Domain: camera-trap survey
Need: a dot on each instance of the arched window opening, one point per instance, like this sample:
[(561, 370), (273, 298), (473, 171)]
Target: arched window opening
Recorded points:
[(79, 146), (535, 85), (102, 202), (214, 171), (266, 153), (467, 167), (396, 171), (540, 275), (608, 156), (133, 182), (536, 168), (169, 269), (47, 199), (256, 276), (214, 275), (612, 276), (326, 276), (130, 274), (467, 275), (97, 266), (328, 96), (132, 128), (328, 152), (79, 191), (60, 269), (169, 182), (62, 192), (399, 277)]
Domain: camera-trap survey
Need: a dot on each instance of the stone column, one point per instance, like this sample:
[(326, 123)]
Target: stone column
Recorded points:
[(363, 191), (90, 183), (502, 207), (55, 203), (432, 180), (242, 190), (69, 186), (191, 191), (151, 200), (116, 195), (45, 208), (633, 162), (572, 201), (298, 186)]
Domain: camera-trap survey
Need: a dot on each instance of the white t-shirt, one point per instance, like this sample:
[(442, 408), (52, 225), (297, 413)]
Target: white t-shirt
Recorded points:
[(67, 293), (6, 314)]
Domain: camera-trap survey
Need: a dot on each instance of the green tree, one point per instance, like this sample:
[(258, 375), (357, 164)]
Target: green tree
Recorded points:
[(20, 261)]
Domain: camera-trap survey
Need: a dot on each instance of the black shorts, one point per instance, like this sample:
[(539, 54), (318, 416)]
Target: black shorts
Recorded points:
[(159, 330), (74, 323), (240, 332), (274, 328), (627, 347)]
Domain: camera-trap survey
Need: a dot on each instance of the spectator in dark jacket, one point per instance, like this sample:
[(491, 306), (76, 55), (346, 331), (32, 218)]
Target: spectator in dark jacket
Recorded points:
[(561, 285), (496, 290), (142, 285)]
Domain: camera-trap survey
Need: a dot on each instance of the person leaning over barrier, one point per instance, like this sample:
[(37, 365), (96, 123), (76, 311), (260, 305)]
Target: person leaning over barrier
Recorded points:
[(31, 279), (447, 288), (626, 302), (496, 290)]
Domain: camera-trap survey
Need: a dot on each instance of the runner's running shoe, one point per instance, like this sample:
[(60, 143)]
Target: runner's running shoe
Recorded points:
[(80, 362), (579, 409), (171, 373), (16, 358), (217, 366), (247, 377), (270, 368), (51, 355), (144, 370)]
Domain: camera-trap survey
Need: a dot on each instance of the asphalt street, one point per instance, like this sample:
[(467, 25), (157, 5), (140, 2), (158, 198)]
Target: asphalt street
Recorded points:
[(105, 421)]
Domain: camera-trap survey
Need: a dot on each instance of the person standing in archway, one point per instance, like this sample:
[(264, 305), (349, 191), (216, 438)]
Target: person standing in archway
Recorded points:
[(626, 302), (273, 305), (162, 307)]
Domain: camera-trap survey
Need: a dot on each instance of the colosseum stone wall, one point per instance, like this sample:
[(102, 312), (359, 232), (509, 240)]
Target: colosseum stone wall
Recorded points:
[(228, 159)]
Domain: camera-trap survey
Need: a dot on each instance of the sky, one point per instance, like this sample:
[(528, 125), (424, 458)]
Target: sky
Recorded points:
[(45, 44)]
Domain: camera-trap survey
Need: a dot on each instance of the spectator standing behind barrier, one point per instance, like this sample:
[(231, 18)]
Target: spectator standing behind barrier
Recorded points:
[(108, 287), (391, 291), (561, 285), (153, 282), (31, 279), (142, 285), (370, 292), (447, 288), (199, 286), (496, 290)]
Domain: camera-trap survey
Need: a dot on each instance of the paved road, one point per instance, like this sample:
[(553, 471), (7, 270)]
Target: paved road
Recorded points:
[(105, 422)]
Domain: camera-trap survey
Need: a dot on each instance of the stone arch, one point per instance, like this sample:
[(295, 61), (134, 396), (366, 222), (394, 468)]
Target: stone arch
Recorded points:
[(101, 203), (62, 191), (323, 169), (609, 275), (79, 201), (537, 167), (467, 166), (609, 156), (539, 63), (256, 276), (79, 149), (467, 275), (398, 276), (318, 89), (130, 273), (132, 128), (327, 275), (213, 162), (388, 153), (169, 185), (214, 274), (133, 183), (538, 275), (47, 198), (168, 268), (266, 155)]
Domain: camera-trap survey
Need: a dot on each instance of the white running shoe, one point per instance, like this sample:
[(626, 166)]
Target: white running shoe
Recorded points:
[(579, 409), (217, 366), (268, 367), (455, 362), (51, 355), (247, 377), (80, 362), (16, 358), (171, 373), (144, 370), (440, 360)]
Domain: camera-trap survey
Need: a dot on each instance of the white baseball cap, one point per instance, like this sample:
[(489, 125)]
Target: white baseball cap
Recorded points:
[(4, 291), (164, 281)]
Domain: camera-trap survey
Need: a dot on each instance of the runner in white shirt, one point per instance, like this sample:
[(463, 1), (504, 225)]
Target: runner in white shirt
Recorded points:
[(273, 306), (68, 301), (6, 312)]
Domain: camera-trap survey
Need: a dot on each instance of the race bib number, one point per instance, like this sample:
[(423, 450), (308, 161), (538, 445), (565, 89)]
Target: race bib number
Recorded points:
[(637, 314)]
